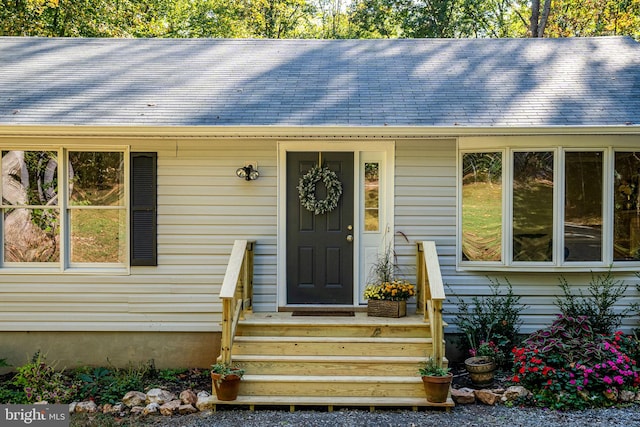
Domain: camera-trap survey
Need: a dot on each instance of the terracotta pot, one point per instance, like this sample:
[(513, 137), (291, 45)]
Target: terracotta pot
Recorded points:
[(227, 388), (437, 388), (481, 370)]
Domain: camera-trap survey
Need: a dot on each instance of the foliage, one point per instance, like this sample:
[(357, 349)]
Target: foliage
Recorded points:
[(489, 349), (603, 294), (569, 366), (108, 385), (432, 369), (40, 381), (493, 318), (396, 290), (224, 370)]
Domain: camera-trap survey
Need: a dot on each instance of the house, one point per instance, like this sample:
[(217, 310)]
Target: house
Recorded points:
[(121, 201)]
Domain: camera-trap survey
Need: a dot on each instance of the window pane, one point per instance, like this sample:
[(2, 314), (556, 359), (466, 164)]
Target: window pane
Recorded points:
[(371, 197), (482, 207), (31, 235), (97, 179), (583, 206), (29, 178), (533, 206), (626, 239), (97, 235)]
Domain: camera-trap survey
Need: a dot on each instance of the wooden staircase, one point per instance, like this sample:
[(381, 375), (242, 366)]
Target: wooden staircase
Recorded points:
[(331, 361)]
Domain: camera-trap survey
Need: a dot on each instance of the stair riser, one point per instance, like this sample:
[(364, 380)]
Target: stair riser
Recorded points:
[(249, 388), (420, 331), (332, 348), (331, 369)]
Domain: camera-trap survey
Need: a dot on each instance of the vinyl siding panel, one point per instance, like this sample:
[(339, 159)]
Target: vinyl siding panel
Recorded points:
[(202, 208)]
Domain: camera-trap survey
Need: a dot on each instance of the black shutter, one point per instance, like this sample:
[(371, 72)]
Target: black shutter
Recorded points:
[(143, 209)]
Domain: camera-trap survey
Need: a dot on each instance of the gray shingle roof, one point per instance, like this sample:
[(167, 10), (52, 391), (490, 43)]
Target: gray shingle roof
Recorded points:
[(422, 82)]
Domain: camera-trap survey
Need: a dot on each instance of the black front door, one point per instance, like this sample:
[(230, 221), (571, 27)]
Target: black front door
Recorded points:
[(319, 247)]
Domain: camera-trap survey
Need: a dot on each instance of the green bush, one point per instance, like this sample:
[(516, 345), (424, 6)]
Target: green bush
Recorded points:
[(37, 381), (494, 318), (598, 305), (109, 385)]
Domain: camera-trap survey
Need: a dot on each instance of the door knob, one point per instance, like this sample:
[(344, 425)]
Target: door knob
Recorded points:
[(349, 238)]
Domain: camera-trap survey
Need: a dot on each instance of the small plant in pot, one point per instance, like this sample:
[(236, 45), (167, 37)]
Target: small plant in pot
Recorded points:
[(436, 380), (482, 363), (226, 380)]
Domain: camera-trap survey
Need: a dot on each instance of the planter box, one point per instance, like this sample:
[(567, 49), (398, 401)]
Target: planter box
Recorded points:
[(384, 308)]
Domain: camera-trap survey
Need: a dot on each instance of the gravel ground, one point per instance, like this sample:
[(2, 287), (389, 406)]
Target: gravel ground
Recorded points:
[(467, 415)]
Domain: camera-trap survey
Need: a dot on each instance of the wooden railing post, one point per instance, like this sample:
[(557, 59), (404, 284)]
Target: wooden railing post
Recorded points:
[(431, 295), (236, 294)]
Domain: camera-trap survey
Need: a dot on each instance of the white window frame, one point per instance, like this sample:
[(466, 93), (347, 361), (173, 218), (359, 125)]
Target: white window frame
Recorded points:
[(558, 263), (64, 265)]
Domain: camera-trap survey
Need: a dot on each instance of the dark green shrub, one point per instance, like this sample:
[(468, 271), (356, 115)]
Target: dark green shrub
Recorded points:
[(493, 318), (598, 305), (109, 385)]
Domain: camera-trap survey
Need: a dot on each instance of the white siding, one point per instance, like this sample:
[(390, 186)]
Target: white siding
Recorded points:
[(202, 208)]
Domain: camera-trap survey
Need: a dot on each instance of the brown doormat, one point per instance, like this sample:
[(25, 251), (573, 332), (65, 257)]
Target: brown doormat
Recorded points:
[(324, 313)]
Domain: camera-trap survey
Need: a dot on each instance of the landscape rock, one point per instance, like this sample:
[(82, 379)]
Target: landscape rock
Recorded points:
[(188, 397), (170, 408), (186, 409), (159, 396), (463, 396), (137, 410), (516, 392), (72, 407), (150, 409), (487, 397), (205, 401), (134, 398), (106, 409), (113, 409), (626, 396), (88, 407)]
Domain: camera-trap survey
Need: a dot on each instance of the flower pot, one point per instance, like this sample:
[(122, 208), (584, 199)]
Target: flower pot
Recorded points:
[(437, 388), (481, 370), (226, 388), (386, 308)]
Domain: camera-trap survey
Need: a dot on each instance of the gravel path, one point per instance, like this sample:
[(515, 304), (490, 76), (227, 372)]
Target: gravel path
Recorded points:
[(460, 416)]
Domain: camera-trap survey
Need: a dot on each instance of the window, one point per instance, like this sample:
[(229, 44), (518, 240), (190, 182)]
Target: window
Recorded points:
[(371, 197), (72, 213), (559, 209)]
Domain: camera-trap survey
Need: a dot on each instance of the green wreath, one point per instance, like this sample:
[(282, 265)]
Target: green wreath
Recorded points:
[(307, 190)]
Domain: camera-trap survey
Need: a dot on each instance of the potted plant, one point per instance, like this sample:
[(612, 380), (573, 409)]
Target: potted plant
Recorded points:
[(482, 363), (226, 381), (436, 380), (387, 295)]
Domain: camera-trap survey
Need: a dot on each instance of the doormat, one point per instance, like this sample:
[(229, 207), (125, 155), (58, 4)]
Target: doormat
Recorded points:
[(324, 313)]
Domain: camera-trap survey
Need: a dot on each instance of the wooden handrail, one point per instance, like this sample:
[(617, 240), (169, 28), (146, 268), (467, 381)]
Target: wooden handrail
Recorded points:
[(431, 295), (236, 294)]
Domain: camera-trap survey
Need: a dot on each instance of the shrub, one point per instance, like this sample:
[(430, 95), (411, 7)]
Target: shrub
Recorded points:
[(569, 366), (603, 294), (40, 381), (493, 318), (108, 385)]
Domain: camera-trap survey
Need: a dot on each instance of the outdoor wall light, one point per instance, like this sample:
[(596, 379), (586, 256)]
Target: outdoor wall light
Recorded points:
[(247, 172)]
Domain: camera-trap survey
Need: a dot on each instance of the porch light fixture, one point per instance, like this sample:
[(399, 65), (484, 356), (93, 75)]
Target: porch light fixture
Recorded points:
[(247, 172)]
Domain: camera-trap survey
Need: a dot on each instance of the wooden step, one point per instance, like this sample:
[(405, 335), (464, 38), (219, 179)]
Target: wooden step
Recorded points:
[(342, 346), (329, 365), (330, 402), (336, 386)]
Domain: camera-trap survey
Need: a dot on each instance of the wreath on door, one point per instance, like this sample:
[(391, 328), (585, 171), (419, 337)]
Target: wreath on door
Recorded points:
[(307, 190)]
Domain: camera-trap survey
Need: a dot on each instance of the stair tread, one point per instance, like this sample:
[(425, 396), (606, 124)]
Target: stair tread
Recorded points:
[(332, 378), (330, 358), (250, 338), (335, 401)]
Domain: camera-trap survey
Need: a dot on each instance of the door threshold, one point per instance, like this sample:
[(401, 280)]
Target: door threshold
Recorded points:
[(322, 308)]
